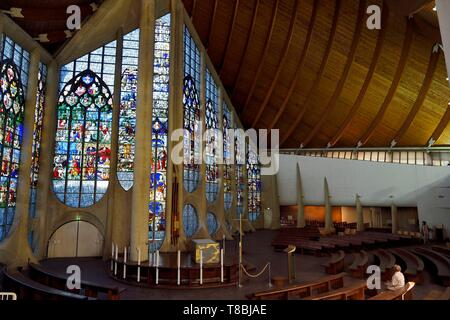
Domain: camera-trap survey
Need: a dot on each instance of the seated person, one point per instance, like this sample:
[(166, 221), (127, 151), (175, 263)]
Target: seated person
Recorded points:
[(398, 279)]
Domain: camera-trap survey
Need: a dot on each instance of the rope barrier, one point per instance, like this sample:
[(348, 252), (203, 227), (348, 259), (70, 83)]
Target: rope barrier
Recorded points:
[(257, 275)]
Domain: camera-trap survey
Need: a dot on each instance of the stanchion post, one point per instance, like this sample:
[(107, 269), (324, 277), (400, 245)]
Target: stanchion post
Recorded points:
[(115, 260), (125, 263), (221, 265), (139, 266), (201, 267), (178, 266)]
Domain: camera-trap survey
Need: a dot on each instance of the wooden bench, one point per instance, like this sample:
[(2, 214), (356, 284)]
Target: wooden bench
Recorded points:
[(301, 290), (440, 262), (354, 292), (88, 289), (360, 263), (438, 295), (25, 288), (386, 262), (442, 250), (336, 264), (414, 265), (404, 293)]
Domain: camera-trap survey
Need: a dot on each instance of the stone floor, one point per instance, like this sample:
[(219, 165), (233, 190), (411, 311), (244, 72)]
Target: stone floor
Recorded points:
[(257, 252)]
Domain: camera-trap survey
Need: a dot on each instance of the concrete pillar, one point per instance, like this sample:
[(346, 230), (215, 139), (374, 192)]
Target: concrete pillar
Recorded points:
[(372, 218), (110, 235), (300, 205), (23, 251), (276, 224), (139, 203), (359, 214), (443, 12), (328, 210), (394, 218), (44, 187)]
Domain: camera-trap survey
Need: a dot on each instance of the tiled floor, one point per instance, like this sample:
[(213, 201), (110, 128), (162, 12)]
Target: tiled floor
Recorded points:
[(257, 252)]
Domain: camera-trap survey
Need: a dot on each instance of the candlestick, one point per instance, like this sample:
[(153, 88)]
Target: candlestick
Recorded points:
[(157, 265), (221, 265), (201, 267), (139, 266), (125, 263), (116, 252)]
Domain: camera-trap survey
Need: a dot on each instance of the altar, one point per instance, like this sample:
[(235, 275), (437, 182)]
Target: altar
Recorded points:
[(210, 250)]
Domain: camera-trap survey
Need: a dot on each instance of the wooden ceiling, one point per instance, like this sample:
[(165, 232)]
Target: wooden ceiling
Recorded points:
[(310, 68)]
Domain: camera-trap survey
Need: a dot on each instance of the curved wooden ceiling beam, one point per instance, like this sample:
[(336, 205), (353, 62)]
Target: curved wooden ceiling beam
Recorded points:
[(338, 91), (320, 72), (261, 60), (228, 43), (376, 56), (393, 89), (434, 58), (247, 44), (194, 8), (43, 14), (280, 67), (211, 24), (445, 120), (298, 70)]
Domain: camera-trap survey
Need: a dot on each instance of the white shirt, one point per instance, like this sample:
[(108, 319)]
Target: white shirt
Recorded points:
[(397, 282)]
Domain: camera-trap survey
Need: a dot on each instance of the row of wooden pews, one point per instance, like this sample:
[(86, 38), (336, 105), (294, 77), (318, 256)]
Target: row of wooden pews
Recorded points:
[(386, 261), (439, 262), (359, 265), (336, 263), (413, 265), (439, 295)]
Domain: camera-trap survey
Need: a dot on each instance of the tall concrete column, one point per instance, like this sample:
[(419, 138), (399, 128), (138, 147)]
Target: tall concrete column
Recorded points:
[(372, 218), (300, 204), (328, 210), (23, 189), (359, 214), (139, 203), (394, 218)]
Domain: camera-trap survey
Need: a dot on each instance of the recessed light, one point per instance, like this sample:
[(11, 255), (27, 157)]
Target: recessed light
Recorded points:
[(434, 8)]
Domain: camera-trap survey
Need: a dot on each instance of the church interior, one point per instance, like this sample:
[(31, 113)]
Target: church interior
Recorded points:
[(225, 150)]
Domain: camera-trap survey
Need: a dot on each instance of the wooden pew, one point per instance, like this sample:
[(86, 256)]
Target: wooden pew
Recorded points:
[(88, 289), (440, 262), (414, 265), (438, 295), (442, 250), (386, 262), (404, 293), (25, 288), (336, 263), (301, 290), (354, 292), (360, 263)]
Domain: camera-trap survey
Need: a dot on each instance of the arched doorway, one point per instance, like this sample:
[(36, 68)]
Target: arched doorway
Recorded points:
[(75, 239)]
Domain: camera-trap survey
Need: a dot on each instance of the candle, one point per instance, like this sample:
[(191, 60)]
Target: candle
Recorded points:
[(112, 257), (139, 266), (178, 265), (157, 265), (125, 263), (221, 265), (201, 267), (115, 259)]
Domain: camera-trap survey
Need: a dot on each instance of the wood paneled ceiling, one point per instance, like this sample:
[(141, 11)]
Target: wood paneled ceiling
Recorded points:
[(310, 68)]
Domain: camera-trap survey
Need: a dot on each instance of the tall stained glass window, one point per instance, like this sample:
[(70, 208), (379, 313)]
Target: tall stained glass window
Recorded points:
[(254, 185), (240, 166), (14, 65), (83, 137), (212, 124), (192, 122), (160, 124), (190, 220), (227, 156), (127, 117), (36, 147), (211, 221)]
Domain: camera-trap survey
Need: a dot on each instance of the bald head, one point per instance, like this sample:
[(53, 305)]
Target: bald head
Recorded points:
[(397, 268)]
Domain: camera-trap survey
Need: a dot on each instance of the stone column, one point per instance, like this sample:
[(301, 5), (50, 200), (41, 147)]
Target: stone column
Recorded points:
[(359, 214), (328, 210), (300, 204), (23, 188), (140, 198), (372, 218), (394, 218)]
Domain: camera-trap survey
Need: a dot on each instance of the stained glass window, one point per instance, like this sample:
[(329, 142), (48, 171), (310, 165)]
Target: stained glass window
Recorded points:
[(212, 124), (191, 103), (160, 124), (83, 136), (21, 58), (254, 185), (127, 113), (12, 102), (190, 220), (240, 180), (211, 221), (227, 156), (36, 147)]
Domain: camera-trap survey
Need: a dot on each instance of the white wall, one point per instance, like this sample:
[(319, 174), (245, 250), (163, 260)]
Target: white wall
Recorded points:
[(378, 184)]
